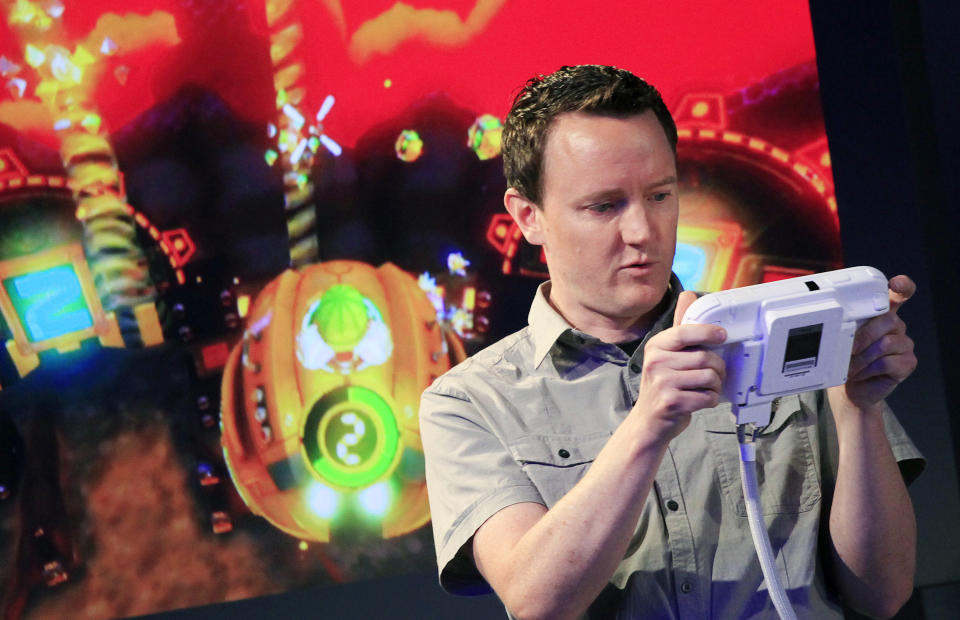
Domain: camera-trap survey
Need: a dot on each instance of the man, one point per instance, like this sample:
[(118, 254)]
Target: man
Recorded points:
[(583, 467)]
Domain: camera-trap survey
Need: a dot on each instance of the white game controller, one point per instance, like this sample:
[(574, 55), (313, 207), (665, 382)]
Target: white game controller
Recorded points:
[(789, 336)]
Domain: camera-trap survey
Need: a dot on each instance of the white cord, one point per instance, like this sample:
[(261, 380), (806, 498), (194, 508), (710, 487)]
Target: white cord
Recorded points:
[(761, 539)]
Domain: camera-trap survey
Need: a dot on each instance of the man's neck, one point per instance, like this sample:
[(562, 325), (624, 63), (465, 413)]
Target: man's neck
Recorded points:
[(616, 330)]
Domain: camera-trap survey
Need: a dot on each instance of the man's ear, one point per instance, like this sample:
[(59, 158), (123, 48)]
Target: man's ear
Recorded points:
[(526, 214)]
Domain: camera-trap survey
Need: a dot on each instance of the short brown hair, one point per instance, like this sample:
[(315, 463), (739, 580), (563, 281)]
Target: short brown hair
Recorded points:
[(595, 89)]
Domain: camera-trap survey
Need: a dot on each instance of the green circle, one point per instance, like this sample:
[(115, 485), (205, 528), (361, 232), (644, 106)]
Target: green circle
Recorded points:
[(375, 448), (349, 437), (341, 317)]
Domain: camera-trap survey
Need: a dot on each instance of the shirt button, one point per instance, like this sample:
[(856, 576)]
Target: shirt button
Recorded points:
[(563, 453), (635, 368), (672, 505), (686, 587)]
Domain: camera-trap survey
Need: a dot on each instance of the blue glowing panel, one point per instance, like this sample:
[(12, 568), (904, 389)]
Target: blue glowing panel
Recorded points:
[(690, 265), (50, 303)]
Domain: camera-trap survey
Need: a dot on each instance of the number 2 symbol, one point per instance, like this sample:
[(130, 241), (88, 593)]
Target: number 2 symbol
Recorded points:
[(350, 439)]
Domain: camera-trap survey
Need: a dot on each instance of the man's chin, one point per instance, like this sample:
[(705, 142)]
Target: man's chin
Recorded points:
[(640, 303)]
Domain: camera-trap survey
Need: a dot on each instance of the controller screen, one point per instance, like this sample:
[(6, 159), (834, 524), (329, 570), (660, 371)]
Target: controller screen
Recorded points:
[(803, 348)]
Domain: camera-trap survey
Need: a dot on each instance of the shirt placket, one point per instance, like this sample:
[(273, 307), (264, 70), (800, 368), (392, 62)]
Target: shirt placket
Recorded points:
[(691, 587)]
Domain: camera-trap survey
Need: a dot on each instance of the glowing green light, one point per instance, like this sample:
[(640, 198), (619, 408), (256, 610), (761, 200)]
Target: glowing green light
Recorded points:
[(484, 136), (341, 318), (408, 146), (91, 122), (323, 500), (351, 437), (375, 499), (271, 157)]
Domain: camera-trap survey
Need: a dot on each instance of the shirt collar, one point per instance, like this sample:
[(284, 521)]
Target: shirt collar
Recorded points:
[(547, 325)]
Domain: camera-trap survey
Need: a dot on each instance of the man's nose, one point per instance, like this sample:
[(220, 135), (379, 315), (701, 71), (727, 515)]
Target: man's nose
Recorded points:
[(635, 224)]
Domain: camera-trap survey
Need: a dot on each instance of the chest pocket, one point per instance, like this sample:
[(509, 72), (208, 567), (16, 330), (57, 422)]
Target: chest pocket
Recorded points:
[(555, 463), (786, 470)]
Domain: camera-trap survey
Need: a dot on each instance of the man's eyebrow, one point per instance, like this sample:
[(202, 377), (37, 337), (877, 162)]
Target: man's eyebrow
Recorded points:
[(602, 194), (616, 192), (664, 181)]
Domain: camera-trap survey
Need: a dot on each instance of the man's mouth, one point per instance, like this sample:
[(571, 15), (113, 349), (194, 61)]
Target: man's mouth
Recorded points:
[(637, 268)]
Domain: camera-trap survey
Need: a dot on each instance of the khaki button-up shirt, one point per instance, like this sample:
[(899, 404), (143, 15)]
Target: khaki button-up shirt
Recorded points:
[(522, 421)]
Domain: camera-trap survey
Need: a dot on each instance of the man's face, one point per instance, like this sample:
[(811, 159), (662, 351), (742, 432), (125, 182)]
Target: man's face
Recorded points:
[(607, 219)]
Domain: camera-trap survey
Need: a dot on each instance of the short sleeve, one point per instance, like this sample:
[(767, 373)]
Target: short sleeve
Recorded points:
[(470, 476), (908, 457)]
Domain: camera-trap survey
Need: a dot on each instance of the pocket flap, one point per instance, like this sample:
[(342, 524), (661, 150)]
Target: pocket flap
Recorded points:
[(720, 419), (558, 450), (784, 409)]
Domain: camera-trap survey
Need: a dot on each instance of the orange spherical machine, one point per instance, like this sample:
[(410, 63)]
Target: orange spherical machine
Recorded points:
[(320, 400)]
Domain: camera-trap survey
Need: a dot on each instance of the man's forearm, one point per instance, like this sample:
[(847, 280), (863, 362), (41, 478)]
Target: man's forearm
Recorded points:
[(872, 525)]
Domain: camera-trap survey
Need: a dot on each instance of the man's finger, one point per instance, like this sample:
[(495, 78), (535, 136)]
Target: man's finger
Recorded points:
[(683, 302), (902, 288), (874, 329), (894, 368), (697, 359), (680, 337), (887, 346)]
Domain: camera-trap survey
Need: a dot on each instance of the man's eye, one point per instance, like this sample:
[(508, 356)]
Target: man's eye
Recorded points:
[(602, 207), (660, 196)]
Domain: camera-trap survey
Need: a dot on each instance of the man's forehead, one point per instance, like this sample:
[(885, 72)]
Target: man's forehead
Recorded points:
[(584, 124), (583, 136), (565, 118)]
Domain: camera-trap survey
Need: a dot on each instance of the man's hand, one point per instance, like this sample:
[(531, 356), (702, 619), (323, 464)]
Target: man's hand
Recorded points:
[(679, 375), (882, 353)]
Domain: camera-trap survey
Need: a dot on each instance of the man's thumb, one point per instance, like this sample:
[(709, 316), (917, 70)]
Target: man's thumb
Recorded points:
[(683, 302)]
